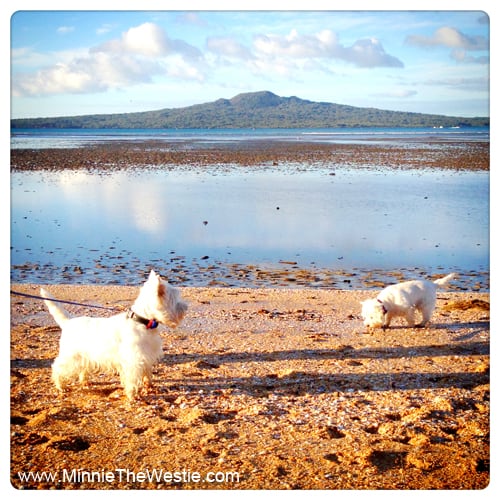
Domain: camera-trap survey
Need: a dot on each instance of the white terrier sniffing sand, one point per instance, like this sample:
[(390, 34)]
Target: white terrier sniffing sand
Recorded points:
[(403, 299), (126, 343)]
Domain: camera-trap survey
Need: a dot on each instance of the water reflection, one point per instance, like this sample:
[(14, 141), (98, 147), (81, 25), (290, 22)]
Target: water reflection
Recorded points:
[(366, 219)]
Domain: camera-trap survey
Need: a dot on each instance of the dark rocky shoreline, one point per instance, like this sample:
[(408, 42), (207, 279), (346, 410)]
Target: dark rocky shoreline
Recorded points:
[(108, 156), (211, 272)]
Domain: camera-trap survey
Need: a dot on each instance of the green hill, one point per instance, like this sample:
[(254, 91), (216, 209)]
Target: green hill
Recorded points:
[(255, 110)]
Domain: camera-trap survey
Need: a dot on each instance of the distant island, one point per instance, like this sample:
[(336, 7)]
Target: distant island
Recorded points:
[(254, 110)]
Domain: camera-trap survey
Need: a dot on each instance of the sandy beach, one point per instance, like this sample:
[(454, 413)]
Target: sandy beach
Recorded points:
[(261, 389)]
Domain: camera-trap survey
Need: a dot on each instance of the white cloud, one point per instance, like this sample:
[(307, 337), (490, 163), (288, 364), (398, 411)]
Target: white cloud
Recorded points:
[(366, 53), (461, 55), (450, 38), (292, 45), (145, 52), (191, 17), (287, 50), (479, 83), (27, 57), (86, 74), (147, 39), (65, 29), (369, 53), (140, 54), (179, 68), (105, 28), (454, 39), (396, 93), (229, 47)]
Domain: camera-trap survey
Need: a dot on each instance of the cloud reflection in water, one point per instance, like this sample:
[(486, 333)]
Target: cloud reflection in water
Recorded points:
[(354, 218)]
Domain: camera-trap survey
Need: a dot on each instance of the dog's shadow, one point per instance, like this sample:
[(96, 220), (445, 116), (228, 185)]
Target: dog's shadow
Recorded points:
[(474, 328), (460, 348), (301, 382), (308, 383)]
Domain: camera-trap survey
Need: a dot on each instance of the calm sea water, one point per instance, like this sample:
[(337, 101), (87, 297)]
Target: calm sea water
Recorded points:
[(67, 138), (107, 228)]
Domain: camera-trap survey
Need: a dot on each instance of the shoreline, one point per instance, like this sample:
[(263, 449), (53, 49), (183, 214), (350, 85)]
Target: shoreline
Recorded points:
[(213, 273), (284, 388)]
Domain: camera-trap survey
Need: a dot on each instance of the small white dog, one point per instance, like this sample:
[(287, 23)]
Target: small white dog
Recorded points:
[(126, 343), (403, 299)]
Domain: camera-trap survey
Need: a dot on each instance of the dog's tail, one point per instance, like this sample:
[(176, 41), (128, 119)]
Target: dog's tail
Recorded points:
[(444, 281), (60, 314)]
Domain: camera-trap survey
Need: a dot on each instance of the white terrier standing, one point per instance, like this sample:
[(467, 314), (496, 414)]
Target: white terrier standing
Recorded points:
[(403, 299), (126, 343)]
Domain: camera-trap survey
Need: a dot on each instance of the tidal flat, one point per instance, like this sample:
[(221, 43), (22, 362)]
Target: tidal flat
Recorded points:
[(251, 213)]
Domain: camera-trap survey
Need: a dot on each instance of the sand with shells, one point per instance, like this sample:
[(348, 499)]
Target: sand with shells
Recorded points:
[(261, 389)]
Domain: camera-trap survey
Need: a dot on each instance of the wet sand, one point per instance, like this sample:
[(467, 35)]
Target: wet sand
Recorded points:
[(267, 389), (106, 157), (206, 271)]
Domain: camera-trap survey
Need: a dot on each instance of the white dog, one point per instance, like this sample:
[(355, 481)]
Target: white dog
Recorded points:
[(126, 343), (403, 299)]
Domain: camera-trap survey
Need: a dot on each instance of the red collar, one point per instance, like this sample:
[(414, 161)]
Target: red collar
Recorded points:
[(383, 307), (150, 324)]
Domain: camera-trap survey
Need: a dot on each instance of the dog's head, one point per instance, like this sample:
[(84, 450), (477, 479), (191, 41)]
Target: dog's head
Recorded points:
[(373, 313), (176, 307), (161, 301)]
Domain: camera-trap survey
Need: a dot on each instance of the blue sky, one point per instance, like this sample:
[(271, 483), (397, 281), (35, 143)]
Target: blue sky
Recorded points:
[(66, 63)]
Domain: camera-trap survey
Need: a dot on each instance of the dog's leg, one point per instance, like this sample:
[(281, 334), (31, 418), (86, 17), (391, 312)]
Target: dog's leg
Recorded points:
[(131, 379), (427, 310), (57, 382), (147, 378), (57, 375), (410, 317), (387, 320), (130, 390), (83, 378)]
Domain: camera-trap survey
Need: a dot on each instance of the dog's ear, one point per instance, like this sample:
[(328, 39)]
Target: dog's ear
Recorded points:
[(155, 281), (153, 275)]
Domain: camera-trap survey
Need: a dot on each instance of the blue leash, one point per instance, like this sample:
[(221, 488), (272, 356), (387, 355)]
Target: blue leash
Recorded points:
[(63, 301)]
